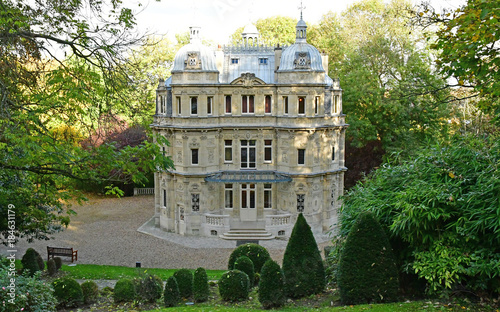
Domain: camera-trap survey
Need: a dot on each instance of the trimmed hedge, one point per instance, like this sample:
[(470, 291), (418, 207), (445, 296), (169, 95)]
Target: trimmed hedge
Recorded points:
[(302, 263), (367, 269), (234, 286), (272, 286), (150, 288), (258, 254), (124, 291), (184, 278), (171, 295), (244, 264), (90, 291), (31, 262), (68, 292), (58, 262), (51, 267), (200, 285)]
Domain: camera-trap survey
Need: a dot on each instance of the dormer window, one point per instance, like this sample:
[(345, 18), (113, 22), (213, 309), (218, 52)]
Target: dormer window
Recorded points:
[(263, 61), (234, 61)]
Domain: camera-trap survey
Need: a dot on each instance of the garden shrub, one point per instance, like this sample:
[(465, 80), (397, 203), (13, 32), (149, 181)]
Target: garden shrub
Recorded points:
[(30, 262), (26, 294), (200, 285), (302, 263), (58, 262), (68, 292), (171, 295), (124, 290), (367, 269), (244, 264), (150, 288), (272, 286), (258, 254), (90, 291), (51, 267), (184, 278), (234, 285)]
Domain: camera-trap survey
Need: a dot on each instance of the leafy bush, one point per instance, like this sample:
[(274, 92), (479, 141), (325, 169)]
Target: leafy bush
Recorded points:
[(184, 279), (150, 288), (234, 286), (171, 295), (124, 291), (51, 267), (68, 292), (367, 269), (441, 211), (258, 254), (90, 291), (200, 285), (302, 263), (272, 286), (26, 294), (58, 262), (244, 264), (31, 263)]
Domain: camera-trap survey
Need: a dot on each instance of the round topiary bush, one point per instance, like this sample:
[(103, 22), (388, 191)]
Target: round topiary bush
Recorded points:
[(68, 292), (234, 286), (272, 286), (58, 262), (200, 285), (184, 279), (367, 269), (90, 291), (244, 264), (51, 267), (124, 291), (30, 262), (171, 295), (302, 263), (258, 254), (150, 288)]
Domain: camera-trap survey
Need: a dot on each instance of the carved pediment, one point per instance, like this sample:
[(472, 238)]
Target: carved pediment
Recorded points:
[(248, 80)]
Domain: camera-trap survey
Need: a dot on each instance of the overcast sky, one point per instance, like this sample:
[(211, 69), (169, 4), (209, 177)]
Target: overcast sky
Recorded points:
[(220, 18)]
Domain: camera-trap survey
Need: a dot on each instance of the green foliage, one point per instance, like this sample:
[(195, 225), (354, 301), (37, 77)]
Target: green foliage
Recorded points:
[(68, 292), (150, 288), (441, 211), (171, 295), (58, 262), (124, 291), (367, 269), (90, 292), (302, 263), (244, 264), (200, 285), (234, 285), (258, 254), (272, 286), (28, 293), (30, 262), (51, 267), (184, 278), (272, 30)]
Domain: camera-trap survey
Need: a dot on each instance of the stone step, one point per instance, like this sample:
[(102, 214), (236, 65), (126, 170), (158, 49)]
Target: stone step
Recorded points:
[(247, 234)]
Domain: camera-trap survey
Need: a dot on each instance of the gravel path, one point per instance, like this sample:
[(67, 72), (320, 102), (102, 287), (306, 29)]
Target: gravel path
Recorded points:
[(119, 231)]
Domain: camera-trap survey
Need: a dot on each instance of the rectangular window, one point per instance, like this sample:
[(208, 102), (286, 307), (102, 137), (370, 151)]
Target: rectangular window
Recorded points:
[(179, 105), (268, 151), (335, 104), (228, 151), (268, 199), (263, 61), (285, 105), (333, 153), (164, 198), (247, 104), (248, 196), (195, 202), (316, 105), (302, 105), (247, 154), (300, 202), (162, 106), (194, 105), (209, 105), (234, 61), (228, 196), (301, 156), (268, 104), (194, 156), (228, 104), (163, 150)]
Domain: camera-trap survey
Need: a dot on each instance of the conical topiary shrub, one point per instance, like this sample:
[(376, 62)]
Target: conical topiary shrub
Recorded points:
[(272, 286), (302, 263), (171, 295), (367, 269), (200, 285), (184, 278), (244, 264), (31, 262)]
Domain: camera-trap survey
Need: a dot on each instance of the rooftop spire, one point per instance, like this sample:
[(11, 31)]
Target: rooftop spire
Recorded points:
[(301, 28), (301, 8)]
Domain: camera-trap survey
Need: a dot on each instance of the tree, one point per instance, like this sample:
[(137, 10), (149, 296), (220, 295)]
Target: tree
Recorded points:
[(272, 30), (272, 286), (42, 90)]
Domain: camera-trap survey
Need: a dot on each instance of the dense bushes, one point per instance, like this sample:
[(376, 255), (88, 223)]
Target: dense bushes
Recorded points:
[(124, 290), (272, 286), (302, 263), (68, 292), (234, 286), (244, 264), (184, 279), (258, 254), (150, 288), (171, 295), (90, 292), (58, 262), (200, 285), (32, 262), (367, 269), (51, 267)]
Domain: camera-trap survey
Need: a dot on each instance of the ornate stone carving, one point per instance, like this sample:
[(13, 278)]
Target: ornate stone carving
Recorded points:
[(193, 61)]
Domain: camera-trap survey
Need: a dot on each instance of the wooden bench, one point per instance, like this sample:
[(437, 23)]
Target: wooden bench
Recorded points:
[(62, 251)]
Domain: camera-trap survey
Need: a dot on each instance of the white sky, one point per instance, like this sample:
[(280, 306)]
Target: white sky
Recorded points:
[(220, 18)]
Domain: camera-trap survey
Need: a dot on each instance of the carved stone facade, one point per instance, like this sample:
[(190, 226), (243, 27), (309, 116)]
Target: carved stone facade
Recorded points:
[(256, 135)]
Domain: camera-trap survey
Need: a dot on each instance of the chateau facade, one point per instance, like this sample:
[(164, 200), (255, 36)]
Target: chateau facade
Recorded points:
[(256, 135)]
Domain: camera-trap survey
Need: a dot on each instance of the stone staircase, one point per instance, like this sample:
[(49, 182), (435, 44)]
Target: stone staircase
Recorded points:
[(247, 234)]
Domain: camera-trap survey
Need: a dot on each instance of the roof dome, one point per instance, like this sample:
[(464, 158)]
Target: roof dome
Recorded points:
[(195, 55), (250, 29)]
